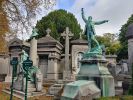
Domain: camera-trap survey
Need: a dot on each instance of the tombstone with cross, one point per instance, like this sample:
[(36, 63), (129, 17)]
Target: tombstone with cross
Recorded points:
[(67, 34)]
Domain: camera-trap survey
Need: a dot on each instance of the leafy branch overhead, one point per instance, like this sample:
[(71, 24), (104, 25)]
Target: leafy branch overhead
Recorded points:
[(20, 13), (16, 16)]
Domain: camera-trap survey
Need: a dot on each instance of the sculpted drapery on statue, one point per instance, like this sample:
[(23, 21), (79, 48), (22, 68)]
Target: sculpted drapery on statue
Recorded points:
[(90, 32)]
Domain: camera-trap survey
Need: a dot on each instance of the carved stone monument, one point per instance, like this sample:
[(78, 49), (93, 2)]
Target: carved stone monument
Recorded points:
[(67, 72), (33, 49), (35, 77)]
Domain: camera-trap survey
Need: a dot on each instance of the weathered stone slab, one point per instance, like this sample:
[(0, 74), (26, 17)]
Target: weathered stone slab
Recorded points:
[(81, 89), (54, 89)]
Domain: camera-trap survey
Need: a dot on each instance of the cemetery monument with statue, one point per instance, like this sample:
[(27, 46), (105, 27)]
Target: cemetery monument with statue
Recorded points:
[(93, 79), (28, 82)]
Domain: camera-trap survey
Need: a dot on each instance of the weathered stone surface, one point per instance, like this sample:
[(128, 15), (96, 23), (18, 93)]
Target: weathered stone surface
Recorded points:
[(18, 83), (67, 35), (76, 53), (80, 89), (49, 54), (111, 58), (55, 89), (31, 86), (33, 51), (96, 69), (39, 81)]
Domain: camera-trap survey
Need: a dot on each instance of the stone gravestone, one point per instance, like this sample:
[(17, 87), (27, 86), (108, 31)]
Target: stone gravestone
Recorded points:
[(67, 72)]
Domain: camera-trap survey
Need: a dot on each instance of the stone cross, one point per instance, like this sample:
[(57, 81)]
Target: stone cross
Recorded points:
[(48, 31), (67, 35), (80, 35)]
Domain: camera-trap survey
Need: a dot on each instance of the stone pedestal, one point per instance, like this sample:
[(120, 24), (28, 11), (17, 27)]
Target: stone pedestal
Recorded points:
[(95, 69), (52, 72), (81, 90)]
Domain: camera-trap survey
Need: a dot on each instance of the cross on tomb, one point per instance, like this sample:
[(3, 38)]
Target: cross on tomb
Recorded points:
[(67, 35), (80, 35), (48, 31)]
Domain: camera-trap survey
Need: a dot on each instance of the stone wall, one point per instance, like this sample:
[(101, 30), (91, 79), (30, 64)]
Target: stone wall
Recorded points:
[(4, 64), (4, 67), (74, 53)]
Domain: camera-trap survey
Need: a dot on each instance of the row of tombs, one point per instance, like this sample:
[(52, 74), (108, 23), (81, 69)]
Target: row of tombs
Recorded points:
[(51, 62), (50, 58)]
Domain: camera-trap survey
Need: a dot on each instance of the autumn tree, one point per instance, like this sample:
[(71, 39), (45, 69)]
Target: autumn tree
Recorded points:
[(16, 16), (20, 13)]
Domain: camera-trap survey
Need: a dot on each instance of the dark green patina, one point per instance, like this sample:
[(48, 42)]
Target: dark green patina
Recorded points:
[(94, 48), (27, 64), (14, 63)]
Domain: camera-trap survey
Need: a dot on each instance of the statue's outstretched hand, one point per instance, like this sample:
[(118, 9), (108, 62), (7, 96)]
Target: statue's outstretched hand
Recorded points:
[(82, 9), (106, 20)]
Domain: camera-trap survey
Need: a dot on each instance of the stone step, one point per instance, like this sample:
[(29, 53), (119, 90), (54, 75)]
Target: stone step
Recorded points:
[(31, 89), (21, 94), (14, 94), (31, 85)]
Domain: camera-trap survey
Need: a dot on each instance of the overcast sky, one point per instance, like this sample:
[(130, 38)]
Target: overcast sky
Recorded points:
[(116, 11)]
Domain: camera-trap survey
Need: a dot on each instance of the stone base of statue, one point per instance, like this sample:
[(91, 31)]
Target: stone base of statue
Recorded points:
[(93, 76), (94, 67), (81, 90)]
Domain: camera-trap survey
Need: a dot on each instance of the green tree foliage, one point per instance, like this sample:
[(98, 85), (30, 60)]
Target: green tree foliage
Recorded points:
[(112, 45), (123, 51), (57, 21)]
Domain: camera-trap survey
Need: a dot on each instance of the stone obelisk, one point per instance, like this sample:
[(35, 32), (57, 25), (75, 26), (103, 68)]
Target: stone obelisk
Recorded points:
[(33, 49)]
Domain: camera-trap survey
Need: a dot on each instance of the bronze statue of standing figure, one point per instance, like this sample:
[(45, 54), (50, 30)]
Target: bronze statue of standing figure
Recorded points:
[(90, 30)]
